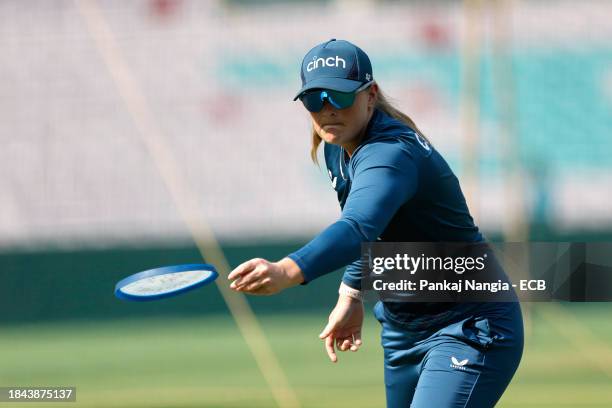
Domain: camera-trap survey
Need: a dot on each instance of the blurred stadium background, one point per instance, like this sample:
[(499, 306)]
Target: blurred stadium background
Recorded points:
[(517, 95)]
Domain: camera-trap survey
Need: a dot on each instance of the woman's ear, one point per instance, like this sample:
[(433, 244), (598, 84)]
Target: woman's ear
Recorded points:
[(372, 95)]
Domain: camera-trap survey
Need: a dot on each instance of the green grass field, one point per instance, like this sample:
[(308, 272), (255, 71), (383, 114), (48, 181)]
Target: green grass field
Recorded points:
[(204, 362)]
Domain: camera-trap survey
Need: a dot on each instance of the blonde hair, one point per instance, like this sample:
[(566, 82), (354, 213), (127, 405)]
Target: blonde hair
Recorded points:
[(383, 104)]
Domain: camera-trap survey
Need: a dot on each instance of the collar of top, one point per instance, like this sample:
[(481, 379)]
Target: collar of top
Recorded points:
[(337, 65)]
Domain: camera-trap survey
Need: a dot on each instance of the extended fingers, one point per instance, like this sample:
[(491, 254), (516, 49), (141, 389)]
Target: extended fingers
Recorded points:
[(246, 274), (257, 286), (251, 279), (243, 269), (329, 347)]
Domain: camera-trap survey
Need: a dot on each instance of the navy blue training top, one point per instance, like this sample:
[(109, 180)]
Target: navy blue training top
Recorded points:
[(396, 187)]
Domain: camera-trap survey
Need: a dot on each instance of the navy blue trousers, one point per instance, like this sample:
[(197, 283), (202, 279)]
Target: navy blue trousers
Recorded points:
[(466, 359)]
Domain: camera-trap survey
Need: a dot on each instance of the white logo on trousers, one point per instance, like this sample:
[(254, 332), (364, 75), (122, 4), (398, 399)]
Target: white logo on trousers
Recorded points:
[(458, 364)]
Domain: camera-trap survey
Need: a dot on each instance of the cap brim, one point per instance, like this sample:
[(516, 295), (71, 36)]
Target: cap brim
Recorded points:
[(335, 84)]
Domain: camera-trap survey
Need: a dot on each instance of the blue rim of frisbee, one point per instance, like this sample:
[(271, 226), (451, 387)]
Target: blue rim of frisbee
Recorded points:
[(164, 270)]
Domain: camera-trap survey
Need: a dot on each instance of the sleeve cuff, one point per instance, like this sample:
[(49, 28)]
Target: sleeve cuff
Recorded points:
[(351, 282), (300, 263)]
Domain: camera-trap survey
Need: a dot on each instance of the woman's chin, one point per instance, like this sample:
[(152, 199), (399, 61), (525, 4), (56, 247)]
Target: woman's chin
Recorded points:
[(331, 137)]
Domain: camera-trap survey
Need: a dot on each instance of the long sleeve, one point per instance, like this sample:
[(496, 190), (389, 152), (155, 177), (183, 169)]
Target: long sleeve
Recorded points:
[(384, 178), (352, 274)]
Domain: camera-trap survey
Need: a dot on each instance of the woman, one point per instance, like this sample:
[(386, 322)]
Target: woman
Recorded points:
[(393, 186)]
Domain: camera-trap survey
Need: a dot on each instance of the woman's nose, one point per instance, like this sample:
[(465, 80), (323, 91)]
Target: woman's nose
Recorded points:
[(328, 108)]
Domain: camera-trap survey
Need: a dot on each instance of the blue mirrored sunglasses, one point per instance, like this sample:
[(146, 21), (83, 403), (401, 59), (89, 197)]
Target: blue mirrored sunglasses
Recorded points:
[(314, 99)]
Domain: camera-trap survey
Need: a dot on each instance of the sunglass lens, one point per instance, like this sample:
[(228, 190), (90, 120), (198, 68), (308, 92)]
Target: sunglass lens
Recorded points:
[(341, 100), (312, 101)]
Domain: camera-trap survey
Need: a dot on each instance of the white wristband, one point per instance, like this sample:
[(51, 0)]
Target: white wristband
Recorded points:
[(350, 292)]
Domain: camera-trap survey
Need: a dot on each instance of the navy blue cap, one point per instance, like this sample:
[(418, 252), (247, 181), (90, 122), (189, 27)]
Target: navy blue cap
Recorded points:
[(335, 64)]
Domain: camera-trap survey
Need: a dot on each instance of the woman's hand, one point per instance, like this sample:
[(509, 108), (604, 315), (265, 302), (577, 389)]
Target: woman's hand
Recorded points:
[(344, 327), (261, 277)]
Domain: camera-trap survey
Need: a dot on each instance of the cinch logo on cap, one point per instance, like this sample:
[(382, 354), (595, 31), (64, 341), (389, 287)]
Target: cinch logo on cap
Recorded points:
[(325, 62)]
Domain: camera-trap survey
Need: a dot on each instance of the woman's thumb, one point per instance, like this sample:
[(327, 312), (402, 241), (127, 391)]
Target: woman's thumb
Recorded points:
[(327, 330)]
